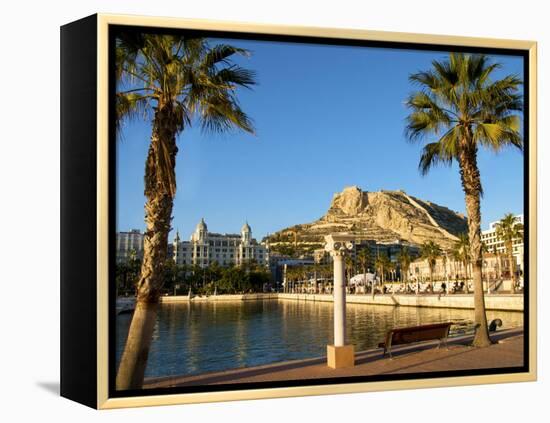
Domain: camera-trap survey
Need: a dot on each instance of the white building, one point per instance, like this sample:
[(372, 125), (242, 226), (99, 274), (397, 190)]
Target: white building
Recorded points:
[(205, 247), (127, 243), (490, 239)]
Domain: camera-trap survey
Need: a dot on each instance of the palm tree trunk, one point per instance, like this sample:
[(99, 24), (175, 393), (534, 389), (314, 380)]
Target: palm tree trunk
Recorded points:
[(364, 280), (512, 268), (499, 267), (471, 184), (131, 370), (468, 270), (134, 358), (159, 191), (372, 285)]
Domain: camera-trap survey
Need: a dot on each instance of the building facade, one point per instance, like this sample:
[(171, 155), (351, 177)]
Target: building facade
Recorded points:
[(128, 243), (490, 239), (204, 248)]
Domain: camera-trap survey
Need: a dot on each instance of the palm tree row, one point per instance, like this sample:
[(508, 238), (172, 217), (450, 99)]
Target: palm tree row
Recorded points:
[(509, 230), (430, 252), (301, 278)]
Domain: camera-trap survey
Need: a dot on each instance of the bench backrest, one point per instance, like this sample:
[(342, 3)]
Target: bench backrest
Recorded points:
[(419, 333)]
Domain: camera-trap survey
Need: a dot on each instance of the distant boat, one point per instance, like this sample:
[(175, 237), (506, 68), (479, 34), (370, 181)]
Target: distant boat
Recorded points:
[(125, 305), (128, 310)]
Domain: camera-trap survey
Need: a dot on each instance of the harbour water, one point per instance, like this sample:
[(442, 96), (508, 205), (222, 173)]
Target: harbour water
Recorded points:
[(194, 338)]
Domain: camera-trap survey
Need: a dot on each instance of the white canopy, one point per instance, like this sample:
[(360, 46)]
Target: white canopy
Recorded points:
[(360, 279)]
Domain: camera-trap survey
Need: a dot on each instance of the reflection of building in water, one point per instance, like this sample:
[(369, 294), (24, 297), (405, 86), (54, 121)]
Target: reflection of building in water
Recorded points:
[(205, 247), (241, 338)]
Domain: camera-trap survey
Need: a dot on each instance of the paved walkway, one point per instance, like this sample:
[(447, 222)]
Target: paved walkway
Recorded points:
[(418, 358)]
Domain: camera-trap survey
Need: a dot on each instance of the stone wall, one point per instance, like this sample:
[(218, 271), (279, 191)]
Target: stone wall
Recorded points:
[(492, 302), (237, 297)]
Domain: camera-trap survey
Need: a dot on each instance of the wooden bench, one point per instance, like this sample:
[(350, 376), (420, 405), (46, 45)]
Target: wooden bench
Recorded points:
[(413, 334)]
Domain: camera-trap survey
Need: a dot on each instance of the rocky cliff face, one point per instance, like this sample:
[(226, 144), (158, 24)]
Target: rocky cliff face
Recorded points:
[(384, 216)]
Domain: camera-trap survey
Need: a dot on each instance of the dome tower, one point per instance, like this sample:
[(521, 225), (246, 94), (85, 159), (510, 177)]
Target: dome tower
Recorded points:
[(246, 234)]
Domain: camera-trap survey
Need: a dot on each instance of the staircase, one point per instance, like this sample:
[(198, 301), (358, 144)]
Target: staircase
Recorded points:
[(429, 216)]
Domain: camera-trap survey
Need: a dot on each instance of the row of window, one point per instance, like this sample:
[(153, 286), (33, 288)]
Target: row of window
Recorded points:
[(259, 256), (492, 236), (221, 262)]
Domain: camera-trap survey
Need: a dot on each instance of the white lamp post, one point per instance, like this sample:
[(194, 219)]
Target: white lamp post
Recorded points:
[(339, 354)]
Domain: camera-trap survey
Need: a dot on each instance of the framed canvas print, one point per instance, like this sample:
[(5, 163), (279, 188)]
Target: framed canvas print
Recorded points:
[(254, 211)]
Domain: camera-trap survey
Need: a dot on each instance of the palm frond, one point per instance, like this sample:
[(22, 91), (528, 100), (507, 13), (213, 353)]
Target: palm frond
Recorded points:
[(509, 229), (235, 76), (131, 106), (221, 114), (499, 134), (432, 154), (458, 96), (220, 53), (427, 116)]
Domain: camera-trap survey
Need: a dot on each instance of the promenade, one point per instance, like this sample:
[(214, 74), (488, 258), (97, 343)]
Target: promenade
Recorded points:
[(417, 358)]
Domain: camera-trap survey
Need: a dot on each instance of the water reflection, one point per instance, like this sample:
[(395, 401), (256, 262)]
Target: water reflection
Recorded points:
[(201, 337)]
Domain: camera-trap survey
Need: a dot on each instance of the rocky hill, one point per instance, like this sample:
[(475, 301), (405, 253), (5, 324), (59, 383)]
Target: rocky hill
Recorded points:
[(383, 216)]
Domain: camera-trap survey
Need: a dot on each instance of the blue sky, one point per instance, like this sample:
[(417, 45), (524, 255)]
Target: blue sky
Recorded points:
[(326, 117)]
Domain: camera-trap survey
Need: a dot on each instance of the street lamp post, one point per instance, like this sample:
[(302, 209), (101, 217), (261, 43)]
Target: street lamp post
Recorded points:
[(339, 354)]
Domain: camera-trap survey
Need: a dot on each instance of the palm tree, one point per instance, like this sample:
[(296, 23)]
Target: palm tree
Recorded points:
[(304, 275), (464, 109), (455, 255), (349, 269), (498, 273), (445, 260), (461, 251), (132, 271), (328, 273), (404, 259), (509, 230), (430, 251), (382, 264), (290, 275), (175, 81), (364, 259), (391, 269), (121, 277), (484, 274)]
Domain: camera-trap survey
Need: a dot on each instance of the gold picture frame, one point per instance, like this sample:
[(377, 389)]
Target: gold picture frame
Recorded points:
[(102, 23)]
